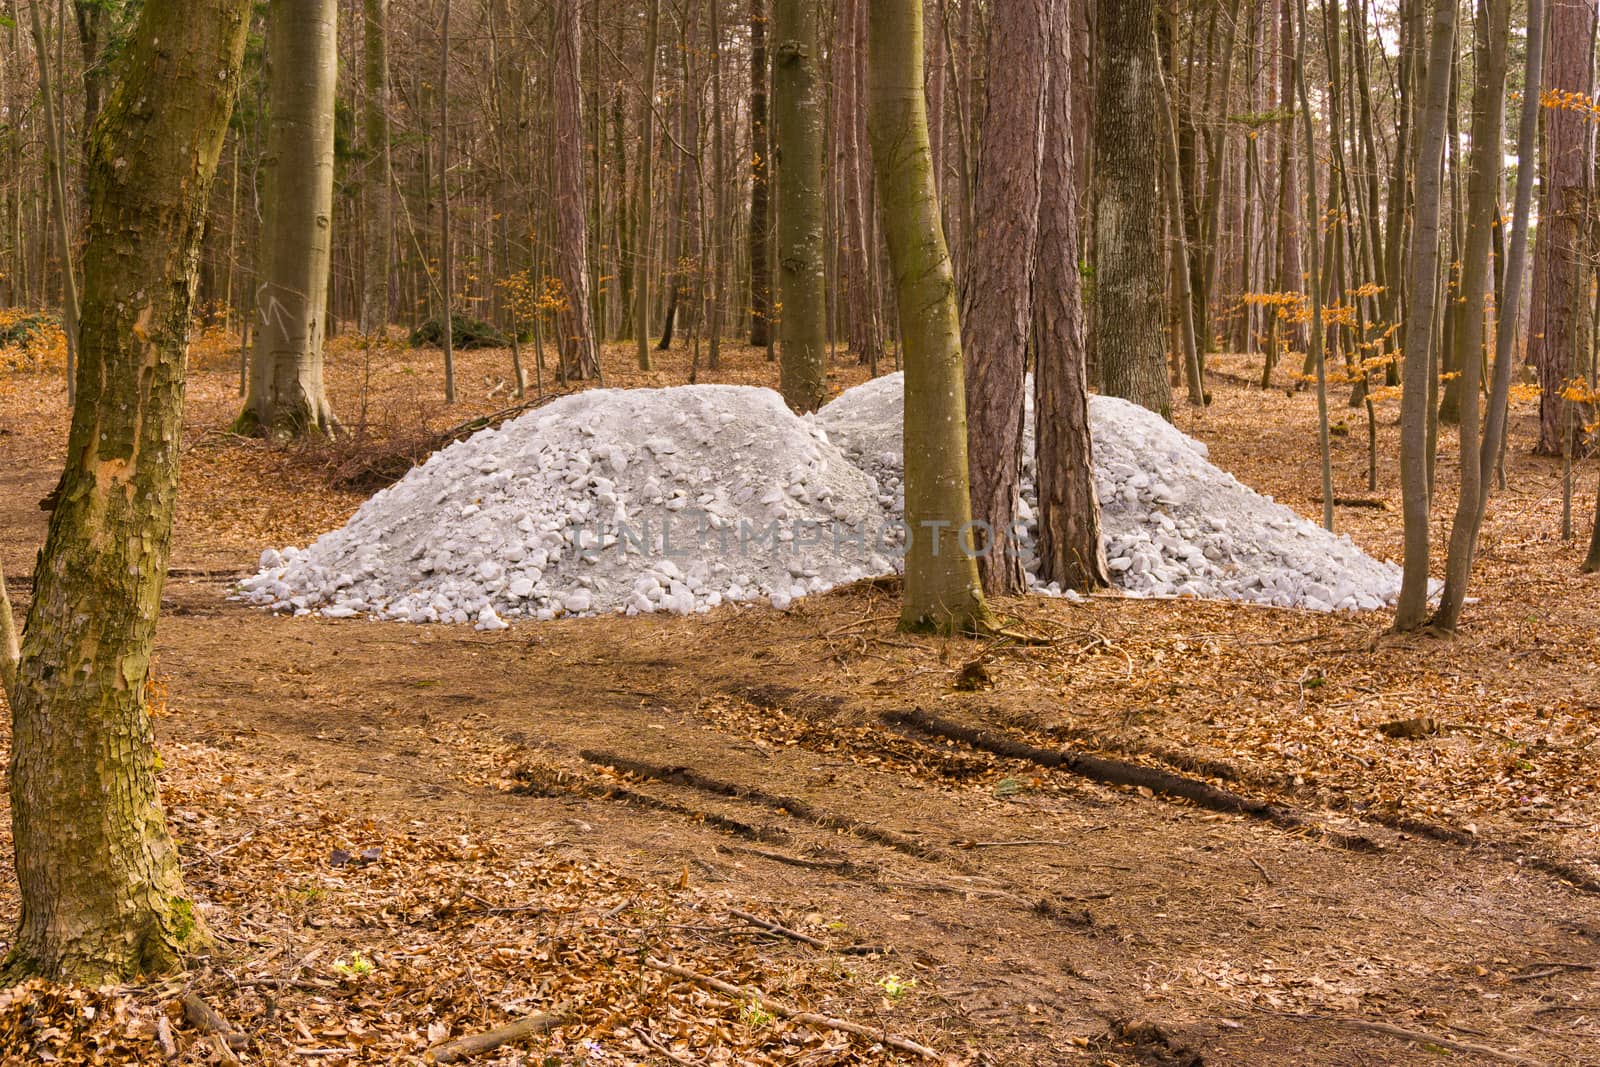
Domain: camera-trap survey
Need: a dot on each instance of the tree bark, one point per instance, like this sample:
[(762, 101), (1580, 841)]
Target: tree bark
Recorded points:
[(1483, 188), (58, 193), (573, 324), (997, 303), (802, 205), (1070, 547), (647, 152), (1418, 345), (287, 396), (103, 898), (377, 249), (1559, 323), (942, 591), (1127, 160), (760, 182)]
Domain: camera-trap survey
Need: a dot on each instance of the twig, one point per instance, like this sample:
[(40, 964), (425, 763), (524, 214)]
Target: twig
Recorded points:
[(169, 1047), (776, 928), (1550, 970), (676, 1057), (1040, 842), (461, 1048), (1418, 1036), (1257, 865), (808, 1018)]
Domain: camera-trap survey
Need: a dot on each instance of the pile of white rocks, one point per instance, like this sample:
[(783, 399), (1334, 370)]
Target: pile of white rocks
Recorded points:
[(681, 499)]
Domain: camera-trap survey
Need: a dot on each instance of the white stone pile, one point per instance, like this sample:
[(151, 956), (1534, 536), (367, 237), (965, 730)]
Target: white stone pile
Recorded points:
[(685, 498)]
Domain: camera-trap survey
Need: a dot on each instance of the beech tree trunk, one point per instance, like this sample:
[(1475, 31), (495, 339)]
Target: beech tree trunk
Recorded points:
[(760, 182), (802, 206), (942, 591), (377, 251), (574, 334), (1129, 288), (997, 303), (103, 898), (647, 151), (1422, 283), (1070, 547), (287, 396), (1559, 323)]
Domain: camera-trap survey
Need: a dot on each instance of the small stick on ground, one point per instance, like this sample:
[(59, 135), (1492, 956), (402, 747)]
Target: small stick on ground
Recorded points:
[(461, 1048), (1418, 1036), (794, 1014), (1263, 871), (169, 1047), (649, 1039), (208, 1020), (777, 928)]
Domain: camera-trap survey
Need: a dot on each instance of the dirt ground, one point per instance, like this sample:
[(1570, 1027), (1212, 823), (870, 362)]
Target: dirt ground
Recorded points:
[(404, 834)]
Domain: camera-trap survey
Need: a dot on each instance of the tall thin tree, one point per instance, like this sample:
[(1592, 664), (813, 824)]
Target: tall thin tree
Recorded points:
[(797, 92)]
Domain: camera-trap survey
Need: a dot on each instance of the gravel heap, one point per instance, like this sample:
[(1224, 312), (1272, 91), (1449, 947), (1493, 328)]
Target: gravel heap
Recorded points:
[(1174, 523), (681, 499), (632, 500)]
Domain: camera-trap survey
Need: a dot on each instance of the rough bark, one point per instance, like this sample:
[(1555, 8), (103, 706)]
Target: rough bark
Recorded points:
[(997, 303), (647, 152), (10, 651), (1483, 187), (797, 93), (287, 396), (377, 250), (942, 591), (760, 182), (1127, 160), (574, 334), (1559, 323), (1070, 547), (102, 894), (1422, 283)]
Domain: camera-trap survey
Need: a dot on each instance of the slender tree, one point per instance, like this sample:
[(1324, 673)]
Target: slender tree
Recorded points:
[(942, 591), (797, 92), (1423, 285), (997, 304), (574, 335), (647, 140), (287, 396), (377, 171), (447, 245), (1127, 225), (1070, 547), (103, 898), (58, 195), (760, 182)]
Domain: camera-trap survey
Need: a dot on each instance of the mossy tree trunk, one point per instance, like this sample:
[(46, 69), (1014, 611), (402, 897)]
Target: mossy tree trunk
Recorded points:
[(286, 395), (941, 575), (1129, 306), (1070, 547), (802, 206), (102, 894)]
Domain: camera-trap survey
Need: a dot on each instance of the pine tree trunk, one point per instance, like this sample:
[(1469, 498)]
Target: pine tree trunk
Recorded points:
[(802, 205), (942, 591), (760, 182), (573, 323), (1127, 221), (287, 396), (1418, 345), (997, 308), (377, 249), (1070, 547), (102, 894)]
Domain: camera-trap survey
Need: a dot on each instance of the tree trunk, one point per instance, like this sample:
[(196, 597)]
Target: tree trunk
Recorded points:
[(447, 248), (377, 249), (58, 193), (802, 205), (997, 303), (102, 894), (573, 323), (1483, 189), (647, 151), (1418, 345), (760, 182), (1558, 328), (1127, 159), (942, 591), (287, 396), (1070, 547)]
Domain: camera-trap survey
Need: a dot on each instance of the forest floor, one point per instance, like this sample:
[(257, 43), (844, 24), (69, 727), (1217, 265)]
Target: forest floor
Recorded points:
[(404, 834)]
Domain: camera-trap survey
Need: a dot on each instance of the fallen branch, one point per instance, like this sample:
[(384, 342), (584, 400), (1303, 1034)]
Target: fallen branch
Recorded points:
[(1418, 1036), (461, 1048), (10, 651), (794, 1014), (209, 1020), (777, 928)]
